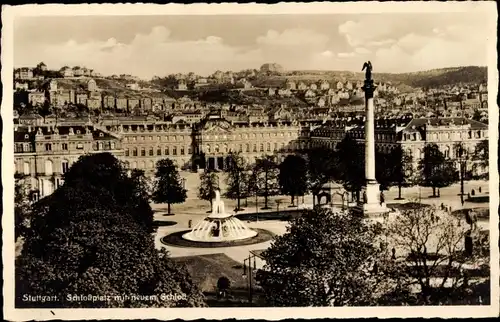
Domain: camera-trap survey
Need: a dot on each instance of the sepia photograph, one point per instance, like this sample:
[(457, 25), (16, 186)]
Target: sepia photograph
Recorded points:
[(307, 157)]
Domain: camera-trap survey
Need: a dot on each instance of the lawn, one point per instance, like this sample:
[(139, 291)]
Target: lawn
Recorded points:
[(207, 269)]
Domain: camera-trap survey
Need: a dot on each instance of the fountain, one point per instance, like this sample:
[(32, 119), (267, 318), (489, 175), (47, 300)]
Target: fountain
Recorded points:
[(219, 226)]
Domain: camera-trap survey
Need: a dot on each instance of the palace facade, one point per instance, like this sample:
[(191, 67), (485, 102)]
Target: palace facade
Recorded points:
[(45, 153)]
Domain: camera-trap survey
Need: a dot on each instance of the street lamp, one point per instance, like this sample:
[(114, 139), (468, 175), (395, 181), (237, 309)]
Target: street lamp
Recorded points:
[(278, 202), (249, 275), (462, 157)]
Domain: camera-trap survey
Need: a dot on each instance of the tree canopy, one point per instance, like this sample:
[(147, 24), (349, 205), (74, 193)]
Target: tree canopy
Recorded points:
[(293, 176), (324, 259), (91, 237), (435, 170), (209, 183), (266, 175), (237, 178), (168, 187)]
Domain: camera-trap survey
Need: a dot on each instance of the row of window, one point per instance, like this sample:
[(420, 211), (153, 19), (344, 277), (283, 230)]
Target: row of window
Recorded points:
[(48, 167), (79, 146), (206, 137), (151, 152)]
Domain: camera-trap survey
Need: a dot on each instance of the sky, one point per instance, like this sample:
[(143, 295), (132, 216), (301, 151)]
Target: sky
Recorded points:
[(146, 46)]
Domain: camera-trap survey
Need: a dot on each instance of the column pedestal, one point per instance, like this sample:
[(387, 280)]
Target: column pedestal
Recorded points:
[(370, 204)]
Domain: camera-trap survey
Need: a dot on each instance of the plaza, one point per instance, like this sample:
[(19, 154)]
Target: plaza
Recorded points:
[(187, 214)]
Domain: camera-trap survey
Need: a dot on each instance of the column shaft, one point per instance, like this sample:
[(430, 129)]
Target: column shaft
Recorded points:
[(370, 141)]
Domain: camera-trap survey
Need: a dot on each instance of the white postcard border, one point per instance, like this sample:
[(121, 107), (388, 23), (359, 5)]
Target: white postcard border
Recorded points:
[(10, 12)]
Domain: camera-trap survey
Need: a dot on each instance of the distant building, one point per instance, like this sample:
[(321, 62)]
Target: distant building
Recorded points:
[(25, 73), (302, 86), (181, 85), (133, 86), (92, 86), (21, 86), (272, 67), (67, 72), (77, 71), (291, 85), (324, 85), (36, 98)]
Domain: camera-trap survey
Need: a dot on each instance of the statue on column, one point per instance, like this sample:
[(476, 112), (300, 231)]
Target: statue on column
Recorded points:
[(368, 73)]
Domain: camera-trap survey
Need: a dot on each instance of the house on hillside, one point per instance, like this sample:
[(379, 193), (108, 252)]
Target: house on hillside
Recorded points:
[(67, 71), (92, 86), (339, 85), (133, 86), (271, 92), (313, 86), (284, 92), (302, 86), (324, 85), (291, 85), (25, 73), (36, 98), (77, 71), (181, 85), (309, 93)]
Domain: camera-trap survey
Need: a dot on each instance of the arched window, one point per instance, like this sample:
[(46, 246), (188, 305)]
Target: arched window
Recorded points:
[(134, 152), (248, 147), (208, 148), (255, 148), (158, 151), (143, 165), (262, 147), (217, 148), (112, 145), (151, 164), (151, 152), (268, 146), (48, 167), (101, 146), (143, 152)]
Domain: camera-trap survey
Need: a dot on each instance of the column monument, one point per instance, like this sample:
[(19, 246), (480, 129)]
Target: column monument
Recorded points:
[(371, 203)]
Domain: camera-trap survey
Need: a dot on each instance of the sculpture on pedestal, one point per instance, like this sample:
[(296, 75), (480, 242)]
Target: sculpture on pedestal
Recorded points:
[(373, 200)]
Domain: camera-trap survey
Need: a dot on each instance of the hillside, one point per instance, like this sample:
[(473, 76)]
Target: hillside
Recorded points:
[(430, 78)]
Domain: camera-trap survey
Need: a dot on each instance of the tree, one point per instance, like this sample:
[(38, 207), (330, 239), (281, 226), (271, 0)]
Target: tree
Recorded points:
[(481, 159), (432, 242), (88, 238), (266, 172), (401, 168), (237, 178), (324, 259), (435, 170), (209, 183), (293, 176), (350, 171), (168, 184), (21, 205), (322, 165), (141, 183)]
